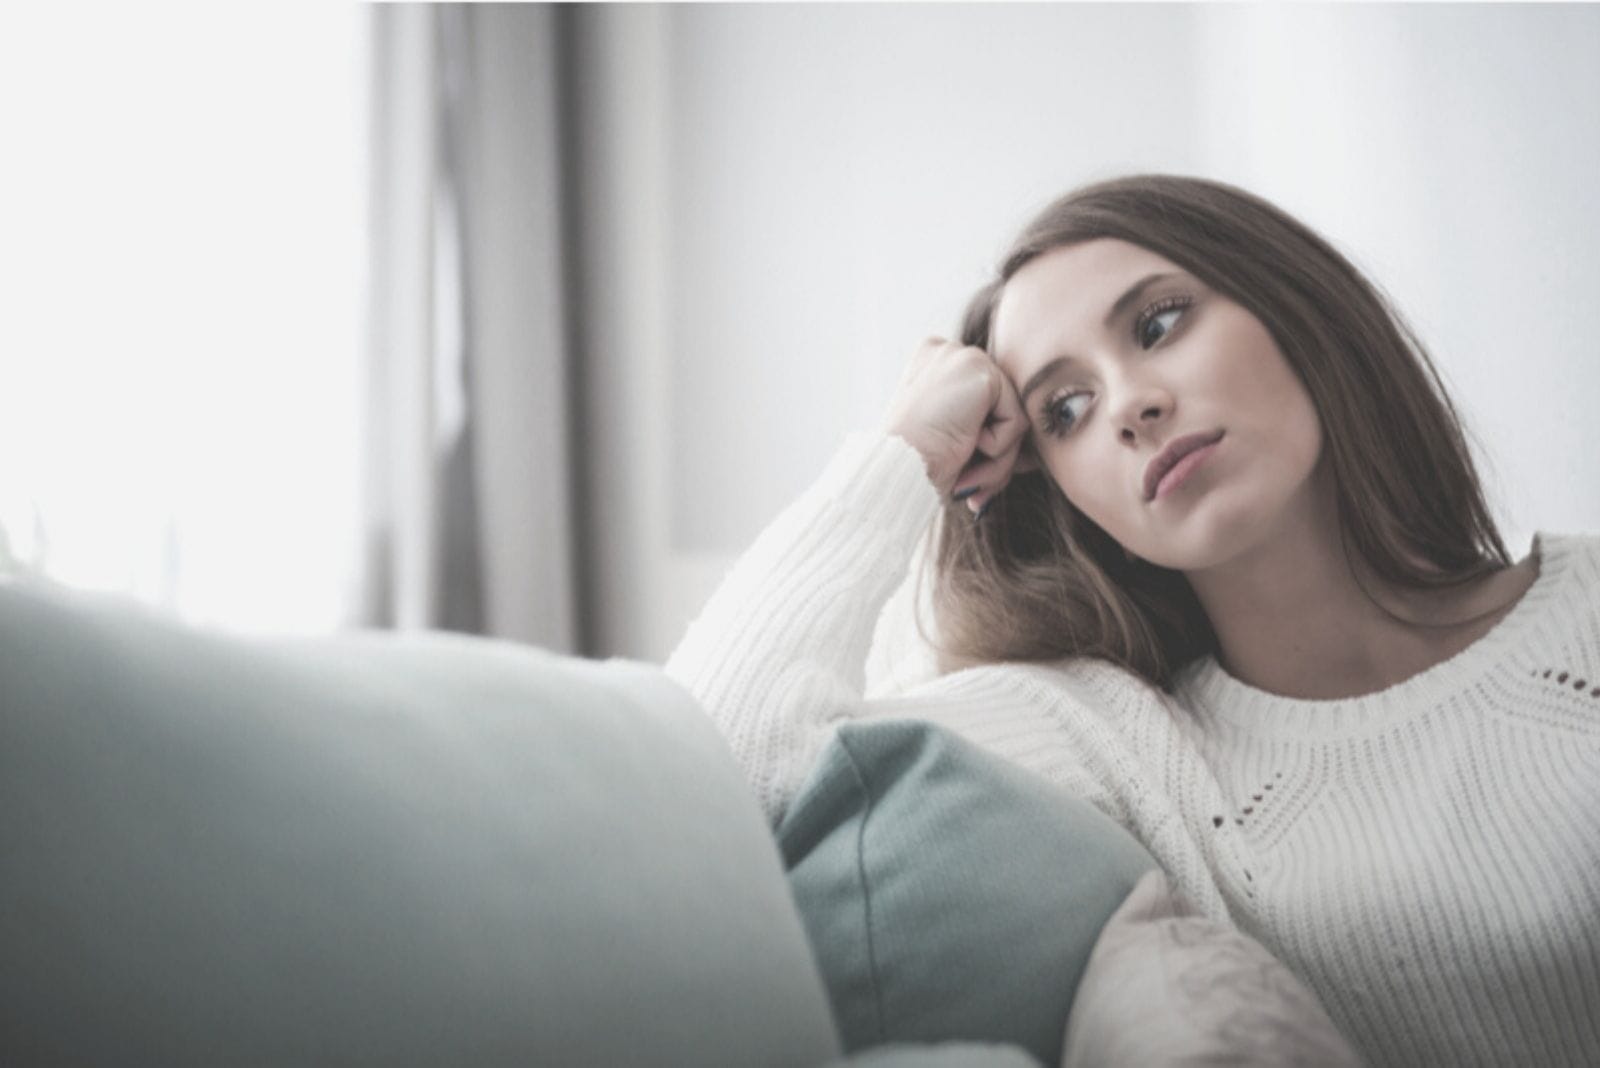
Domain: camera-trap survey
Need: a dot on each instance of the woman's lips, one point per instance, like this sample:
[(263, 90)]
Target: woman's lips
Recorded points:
[(1168, 458), (1181, 470)]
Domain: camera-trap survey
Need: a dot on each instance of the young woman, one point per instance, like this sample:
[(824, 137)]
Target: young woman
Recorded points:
[(1211, 553)]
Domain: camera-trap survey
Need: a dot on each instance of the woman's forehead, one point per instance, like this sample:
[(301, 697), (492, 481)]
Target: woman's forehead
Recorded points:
[(1065, 293)]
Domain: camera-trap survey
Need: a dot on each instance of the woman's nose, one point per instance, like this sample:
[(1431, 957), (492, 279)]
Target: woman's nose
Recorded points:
[(1145, 409)]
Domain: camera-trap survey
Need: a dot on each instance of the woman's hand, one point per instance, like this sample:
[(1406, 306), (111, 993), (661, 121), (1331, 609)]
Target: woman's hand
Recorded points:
[(957, 409)]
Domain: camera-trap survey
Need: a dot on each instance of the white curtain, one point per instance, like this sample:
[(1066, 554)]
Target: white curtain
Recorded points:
[(470, 506)]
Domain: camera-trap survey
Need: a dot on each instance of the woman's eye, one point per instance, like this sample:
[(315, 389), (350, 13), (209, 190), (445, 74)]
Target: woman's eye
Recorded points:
[(1063, 411), (1171, 312)]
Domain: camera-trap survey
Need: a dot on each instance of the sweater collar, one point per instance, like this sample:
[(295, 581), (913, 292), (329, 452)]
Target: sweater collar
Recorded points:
[(1217, 698)]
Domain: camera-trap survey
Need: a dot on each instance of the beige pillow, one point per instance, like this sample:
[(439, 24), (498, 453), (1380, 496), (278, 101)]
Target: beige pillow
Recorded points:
[(1167, 986)]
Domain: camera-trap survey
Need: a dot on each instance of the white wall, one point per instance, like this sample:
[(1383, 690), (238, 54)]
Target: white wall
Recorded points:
[(1452, 151), (788, 198)]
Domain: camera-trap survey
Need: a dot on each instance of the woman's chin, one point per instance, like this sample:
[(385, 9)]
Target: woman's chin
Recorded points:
[(1208, 533)]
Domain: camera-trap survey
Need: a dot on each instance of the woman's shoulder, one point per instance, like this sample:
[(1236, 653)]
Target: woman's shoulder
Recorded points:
[(1579, 543), (1562, 631), (1569, 566), (1560, 613)]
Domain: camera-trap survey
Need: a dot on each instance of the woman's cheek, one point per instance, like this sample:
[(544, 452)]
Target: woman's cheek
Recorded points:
[(1061, 475), (1090, 499)]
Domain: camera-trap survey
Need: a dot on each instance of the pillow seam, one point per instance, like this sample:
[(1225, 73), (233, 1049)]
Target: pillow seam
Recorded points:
[(866, 886)]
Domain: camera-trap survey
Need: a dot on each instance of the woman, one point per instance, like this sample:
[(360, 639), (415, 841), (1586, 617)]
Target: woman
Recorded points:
[(1213, 555)]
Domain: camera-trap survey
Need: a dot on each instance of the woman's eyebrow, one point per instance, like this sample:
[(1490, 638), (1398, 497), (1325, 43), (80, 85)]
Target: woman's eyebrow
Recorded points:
[(1122, 302), (1043, 373), (1118, 307)]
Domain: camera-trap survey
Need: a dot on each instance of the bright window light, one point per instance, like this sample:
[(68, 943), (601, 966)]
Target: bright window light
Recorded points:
[(183, 220)]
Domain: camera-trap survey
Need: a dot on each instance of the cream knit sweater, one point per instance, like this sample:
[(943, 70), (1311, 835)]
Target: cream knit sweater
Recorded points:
[(1427, 858)]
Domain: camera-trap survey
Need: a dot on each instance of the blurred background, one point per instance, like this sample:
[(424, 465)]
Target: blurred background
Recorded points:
[(524, 320)]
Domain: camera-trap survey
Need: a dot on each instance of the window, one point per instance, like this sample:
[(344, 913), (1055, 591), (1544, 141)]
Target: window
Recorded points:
[(181, 277)]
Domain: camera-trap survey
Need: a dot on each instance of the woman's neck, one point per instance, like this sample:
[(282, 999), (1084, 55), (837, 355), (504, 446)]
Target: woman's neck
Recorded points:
[(1293, 615)]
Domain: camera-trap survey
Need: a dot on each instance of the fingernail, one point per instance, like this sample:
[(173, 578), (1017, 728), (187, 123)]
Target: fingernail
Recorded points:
[(961, 495), (983, 509)]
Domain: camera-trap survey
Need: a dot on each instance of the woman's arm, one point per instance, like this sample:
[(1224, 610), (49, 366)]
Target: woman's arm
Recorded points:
[(778, 653)]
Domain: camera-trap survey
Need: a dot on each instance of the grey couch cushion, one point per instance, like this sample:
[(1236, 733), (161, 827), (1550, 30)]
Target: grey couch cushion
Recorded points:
[(375, 850), (950, 895)]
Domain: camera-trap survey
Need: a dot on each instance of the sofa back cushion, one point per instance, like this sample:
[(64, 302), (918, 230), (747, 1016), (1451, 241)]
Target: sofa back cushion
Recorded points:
[(949, 895), (377, 850)]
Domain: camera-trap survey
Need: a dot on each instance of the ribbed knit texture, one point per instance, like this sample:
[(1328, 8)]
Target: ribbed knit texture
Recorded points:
[(1426, 858)]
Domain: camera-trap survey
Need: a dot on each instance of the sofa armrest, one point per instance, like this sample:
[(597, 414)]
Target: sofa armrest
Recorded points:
[(375, 849)]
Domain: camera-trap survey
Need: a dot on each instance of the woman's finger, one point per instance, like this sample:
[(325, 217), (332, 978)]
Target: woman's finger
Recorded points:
[(984, 477), (947, 392), (1006, 423), (1002, 449)]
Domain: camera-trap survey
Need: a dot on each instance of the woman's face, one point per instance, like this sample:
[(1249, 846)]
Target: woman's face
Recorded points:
[(1117, 353)]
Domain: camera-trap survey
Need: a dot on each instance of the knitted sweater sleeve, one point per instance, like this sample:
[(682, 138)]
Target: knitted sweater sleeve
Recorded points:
[(777, 656)]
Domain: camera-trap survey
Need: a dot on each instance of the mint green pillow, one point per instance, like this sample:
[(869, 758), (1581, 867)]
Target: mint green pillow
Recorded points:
[(949, 895), (376, 850)]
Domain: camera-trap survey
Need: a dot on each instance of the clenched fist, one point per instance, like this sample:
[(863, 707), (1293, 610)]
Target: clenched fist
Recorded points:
[(956, 408)]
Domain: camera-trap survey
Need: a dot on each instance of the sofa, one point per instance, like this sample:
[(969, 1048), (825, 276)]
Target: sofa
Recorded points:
[(391, 849)]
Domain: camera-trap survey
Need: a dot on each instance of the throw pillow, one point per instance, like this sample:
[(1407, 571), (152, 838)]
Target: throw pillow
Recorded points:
[(949, 895), (1168, 988)]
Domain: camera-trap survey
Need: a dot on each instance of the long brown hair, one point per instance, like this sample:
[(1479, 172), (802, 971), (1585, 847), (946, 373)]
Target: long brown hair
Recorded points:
[(1038, 580)]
